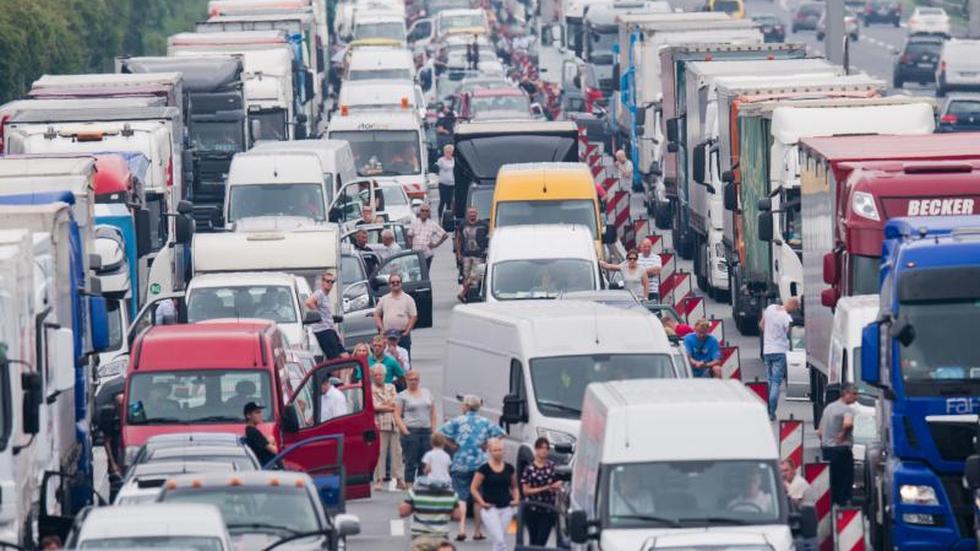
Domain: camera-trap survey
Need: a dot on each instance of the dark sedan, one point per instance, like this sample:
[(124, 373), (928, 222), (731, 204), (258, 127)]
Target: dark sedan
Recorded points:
[(960, 113), (772, 28), (807, 16), (918, 60), (882, 11)]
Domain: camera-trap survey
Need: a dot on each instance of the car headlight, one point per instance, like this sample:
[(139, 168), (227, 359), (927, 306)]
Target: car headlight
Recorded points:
[(864, 205), (356, 303), (556, 436), (112, 368), (912, 494)]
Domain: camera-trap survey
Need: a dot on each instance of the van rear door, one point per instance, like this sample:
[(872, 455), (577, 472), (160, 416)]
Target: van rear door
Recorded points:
[(305, 416)]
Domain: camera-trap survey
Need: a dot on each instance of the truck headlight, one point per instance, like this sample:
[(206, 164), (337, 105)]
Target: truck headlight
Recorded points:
[(556, 436), (917, 495), (864, 205)]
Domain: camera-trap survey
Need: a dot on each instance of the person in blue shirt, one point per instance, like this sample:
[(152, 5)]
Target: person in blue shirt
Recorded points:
[(703, 350)]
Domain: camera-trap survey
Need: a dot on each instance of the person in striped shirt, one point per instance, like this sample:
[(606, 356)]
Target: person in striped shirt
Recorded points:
[(432, 504)]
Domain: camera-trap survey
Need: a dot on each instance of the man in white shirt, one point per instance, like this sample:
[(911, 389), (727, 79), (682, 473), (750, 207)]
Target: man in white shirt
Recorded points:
[(797, 488), (753, 498), (333, 403), (652, 264), (388, 247), (774, 324)]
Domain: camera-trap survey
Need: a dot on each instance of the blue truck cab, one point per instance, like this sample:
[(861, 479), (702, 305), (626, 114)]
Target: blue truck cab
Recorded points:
[(922, 355)]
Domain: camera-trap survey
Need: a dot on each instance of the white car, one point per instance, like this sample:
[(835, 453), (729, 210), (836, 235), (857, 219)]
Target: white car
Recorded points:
[(144, 481), (929, 20), (192, 526)]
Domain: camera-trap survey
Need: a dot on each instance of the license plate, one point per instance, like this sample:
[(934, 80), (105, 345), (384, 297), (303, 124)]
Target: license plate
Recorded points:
[(925, 65), (970, 74)]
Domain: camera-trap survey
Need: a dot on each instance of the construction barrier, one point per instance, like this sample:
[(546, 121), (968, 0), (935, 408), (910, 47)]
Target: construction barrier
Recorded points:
[(731, 364), (791, 441), (583, 144), (761, 389), (848, 529), (818, 475)]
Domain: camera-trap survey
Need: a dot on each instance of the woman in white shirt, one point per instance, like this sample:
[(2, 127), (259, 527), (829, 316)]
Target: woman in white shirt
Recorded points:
[(447, 180)]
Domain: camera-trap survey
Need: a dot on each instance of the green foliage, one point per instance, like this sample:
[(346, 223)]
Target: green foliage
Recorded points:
[(76, 36)]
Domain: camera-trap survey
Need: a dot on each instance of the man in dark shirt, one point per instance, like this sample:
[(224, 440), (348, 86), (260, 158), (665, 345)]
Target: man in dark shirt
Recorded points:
[(259, 444), (471, 249)]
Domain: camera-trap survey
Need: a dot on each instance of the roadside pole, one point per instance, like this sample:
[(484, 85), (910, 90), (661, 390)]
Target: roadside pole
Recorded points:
[(973, 13), (834, 38)]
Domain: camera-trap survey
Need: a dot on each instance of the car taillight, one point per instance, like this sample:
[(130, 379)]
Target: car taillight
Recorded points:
[(948, 119), (905, 58), (170, 172)]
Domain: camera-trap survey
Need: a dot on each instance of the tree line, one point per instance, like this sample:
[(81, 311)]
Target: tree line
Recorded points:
[(83, 36)]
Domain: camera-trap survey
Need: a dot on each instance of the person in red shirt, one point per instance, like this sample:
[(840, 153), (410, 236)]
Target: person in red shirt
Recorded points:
[(674, 328)]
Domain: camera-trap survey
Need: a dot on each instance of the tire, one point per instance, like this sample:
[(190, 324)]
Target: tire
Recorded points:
[(897, 82), (699, 265)]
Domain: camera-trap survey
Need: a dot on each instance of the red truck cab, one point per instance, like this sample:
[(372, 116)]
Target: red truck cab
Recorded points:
[(198, 377), (861, 182)]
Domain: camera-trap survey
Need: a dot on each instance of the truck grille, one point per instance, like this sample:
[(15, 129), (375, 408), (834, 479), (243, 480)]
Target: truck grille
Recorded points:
[(962, 502), (954, 441)]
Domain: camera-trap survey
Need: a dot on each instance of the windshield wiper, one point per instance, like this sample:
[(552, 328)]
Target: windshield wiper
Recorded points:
[(216, 419), (260, 526), (713, 520), (650, 518), (559, 407), (159, 420)]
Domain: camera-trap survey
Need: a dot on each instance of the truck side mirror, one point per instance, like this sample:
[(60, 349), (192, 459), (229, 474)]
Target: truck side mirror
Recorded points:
[(765, 204), (829, 296), (765, 226), (144, 242), (578, 527), (609, 235), (290, 419), (515, 410), (673, 130), (971, 472), (831, 268), (870, 354), (615, 77), (728, 198), (697, 157), (31, 383), (183, 229), (99, 321), (61, 359)]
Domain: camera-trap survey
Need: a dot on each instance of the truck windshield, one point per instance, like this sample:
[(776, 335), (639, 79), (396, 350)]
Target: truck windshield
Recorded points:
[(195, 543), (462, 21), (393, 30), (529, 279), (115, 309), (305, 200), (559, 382), (286, 506), (218, 136), (578, 211), (271, 125), (727, 6), (600, 47), (274, 303), (864, 274), (380, 74), (383, 152), (196, 396), (692, 494), (939, 351)]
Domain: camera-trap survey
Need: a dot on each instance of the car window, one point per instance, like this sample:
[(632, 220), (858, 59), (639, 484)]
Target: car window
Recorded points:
[(919, 48), (408, 266), (964, 108)]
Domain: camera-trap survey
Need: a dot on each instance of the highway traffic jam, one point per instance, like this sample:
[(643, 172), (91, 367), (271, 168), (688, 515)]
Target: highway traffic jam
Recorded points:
[(617, 275)]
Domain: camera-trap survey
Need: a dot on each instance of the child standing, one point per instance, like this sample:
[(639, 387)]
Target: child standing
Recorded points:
[(436, 461)]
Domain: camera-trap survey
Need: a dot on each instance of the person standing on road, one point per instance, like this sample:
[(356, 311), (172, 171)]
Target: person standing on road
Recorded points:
[(540, 485), (325, 330), (391, 338), (469, 434), (652, 265), (424, 234), (774, 325), (704, 351), (624, 167), (635, 278), (797, 488), (396, 312), (431, 504), (263, 449), (394, 374), (445, 125), (471, 248), (415, 414), (447, 179), (385, 395), (494, 490), (837, 442)]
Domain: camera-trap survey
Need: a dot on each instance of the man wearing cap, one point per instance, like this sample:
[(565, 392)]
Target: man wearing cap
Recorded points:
[(257, 442)]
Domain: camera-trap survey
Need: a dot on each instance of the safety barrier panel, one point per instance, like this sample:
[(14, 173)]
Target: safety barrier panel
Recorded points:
[(791, 441), (818, 475), (848, 529)]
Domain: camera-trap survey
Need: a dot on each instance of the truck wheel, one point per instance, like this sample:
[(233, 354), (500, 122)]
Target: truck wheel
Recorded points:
[(699, 272), (661, 215)]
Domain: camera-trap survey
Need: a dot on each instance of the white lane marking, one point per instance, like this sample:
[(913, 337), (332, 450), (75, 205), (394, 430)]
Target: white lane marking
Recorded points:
[(397, 527)]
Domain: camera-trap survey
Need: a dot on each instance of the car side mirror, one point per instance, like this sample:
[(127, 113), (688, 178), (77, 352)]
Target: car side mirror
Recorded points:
[(971, 472), (729, 199), (765, 226), (515, 410), (563, 473), (347, 524), (673, 130), (310, 317), (578, 527), (564, 448), (829, 297), (765, 204), (338, 318), (183, 229), (379, 280)]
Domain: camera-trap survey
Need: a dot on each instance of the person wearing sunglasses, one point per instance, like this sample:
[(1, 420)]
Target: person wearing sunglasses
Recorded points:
[(396, 311), (325, 330), (635, 279)]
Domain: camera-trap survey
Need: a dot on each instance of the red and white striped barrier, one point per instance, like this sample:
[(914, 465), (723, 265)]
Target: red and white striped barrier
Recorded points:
[(791, 441), (668, 263), (818, 475), (675, 287), (848, 529), (761, 389), (618, 208), (583, 144), (641, 229), (691, 307), (731, 365)]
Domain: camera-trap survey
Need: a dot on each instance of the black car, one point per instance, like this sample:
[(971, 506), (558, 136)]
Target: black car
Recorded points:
[(882, 11), (918, 60), (960, 113), (807, 16), (772, 28)]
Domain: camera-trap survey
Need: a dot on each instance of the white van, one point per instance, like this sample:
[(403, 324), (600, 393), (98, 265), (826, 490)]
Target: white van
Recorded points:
[(273, 296), (380, 64), (276, 183), (540, 261), (690, 462), (336, 159), (372, 96), (530, 362)]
